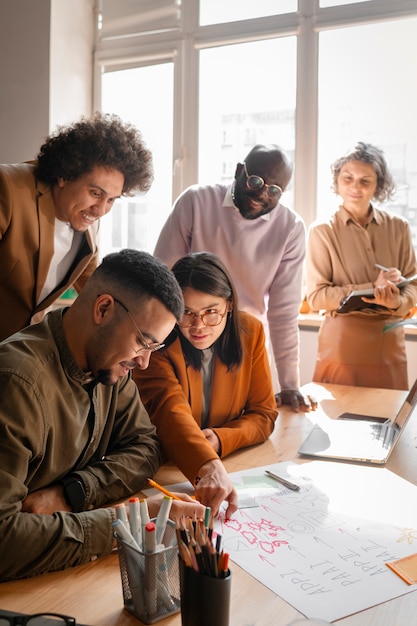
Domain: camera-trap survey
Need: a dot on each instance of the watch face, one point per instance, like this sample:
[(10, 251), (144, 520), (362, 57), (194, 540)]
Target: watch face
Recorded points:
[(75, 494)]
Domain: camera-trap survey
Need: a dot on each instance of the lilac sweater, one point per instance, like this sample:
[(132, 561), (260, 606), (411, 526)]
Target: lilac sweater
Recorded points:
[(264, 256)]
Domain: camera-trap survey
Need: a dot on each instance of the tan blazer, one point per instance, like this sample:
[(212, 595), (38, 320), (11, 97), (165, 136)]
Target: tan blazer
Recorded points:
[(242, 407), (27, 219)]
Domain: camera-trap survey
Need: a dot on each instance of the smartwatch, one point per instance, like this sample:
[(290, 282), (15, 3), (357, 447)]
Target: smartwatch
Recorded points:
[(74, 493)]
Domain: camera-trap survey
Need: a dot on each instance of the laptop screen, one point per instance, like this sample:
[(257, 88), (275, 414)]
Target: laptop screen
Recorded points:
[(407, 407)]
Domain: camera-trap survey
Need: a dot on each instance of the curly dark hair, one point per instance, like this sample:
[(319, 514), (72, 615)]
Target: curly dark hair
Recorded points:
[(102, 140)]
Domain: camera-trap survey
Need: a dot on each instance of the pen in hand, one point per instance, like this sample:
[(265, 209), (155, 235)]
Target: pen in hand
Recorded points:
[(387, 269)]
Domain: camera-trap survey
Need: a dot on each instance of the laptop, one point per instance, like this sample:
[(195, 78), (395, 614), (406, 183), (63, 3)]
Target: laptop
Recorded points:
[(359, 438)]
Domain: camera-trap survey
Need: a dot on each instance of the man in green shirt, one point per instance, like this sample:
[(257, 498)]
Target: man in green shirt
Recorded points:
[(74, 435)]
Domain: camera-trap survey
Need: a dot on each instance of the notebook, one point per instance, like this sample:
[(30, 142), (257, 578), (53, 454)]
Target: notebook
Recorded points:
[(359, 438), (354, 302)]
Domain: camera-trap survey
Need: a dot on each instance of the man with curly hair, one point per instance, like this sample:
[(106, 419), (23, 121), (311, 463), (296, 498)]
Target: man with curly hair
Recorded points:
[(50, 210)]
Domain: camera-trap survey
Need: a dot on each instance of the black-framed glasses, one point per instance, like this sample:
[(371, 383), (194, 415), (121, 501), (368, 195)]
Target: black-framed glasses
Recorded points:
[(256, 183), (38, 619), (145, 345), (210, 318)]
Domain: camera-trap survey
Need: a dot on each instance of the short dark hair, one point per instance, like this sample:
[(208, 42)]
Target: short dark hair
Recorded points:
[(271, 152), (204, 271), (141, 276), (367, 153), (100, 141)]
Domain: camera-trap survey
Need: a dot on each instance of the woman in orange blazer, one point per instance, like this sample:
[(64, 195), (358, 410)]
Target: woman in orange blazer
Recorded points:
[(209, 392)]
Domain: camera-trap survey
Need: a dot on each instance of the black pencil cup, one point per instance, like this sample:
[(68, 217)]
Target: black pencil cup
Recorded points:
[(204, 600)]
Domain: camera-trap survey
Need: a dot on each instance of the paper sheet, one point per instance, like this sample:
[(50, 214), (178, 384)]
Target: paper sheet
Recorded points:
[(325, 548)]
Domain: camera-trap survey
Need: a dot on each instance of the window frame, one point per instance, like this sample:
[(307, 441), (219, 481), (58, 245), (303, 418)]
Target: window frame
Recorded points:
[(181, 45)]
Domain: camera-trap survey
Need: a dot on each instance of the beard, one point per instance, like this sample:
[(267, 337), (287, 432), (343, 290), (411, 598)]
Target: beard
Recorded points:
[(106, 377), (244, 203), (248, 213)]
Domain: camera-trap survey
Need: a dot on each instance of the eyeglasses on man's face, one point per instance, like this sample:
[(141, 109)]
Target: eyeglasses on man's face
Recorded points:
[(209, 318), (144, 345), (256, 183), (38, 619)]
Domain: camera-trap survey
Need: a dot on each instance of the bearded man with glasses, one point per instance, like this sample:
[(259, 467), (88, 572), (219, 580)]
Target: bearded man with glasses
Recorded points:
[(74, 434), (262, 244)]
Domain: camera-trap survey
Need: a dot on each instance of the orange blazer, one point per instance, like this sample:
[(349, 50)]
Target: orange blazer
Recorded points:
[(242, 408), (27, 223)]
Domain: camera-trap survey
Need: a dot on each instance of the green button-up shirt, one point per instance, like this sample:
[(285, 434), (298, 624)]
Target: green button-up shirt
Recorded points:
[(54, 420)]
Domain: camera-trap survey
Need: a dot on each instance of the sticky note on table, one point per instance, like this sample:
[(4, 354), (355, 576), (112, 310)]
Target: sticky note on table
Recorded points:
[(406, 568)]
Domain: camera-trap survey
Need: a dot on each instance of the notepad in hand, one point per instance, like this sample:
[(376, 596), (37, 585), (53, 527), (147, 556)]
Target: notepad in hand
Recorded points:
[(354, 302)]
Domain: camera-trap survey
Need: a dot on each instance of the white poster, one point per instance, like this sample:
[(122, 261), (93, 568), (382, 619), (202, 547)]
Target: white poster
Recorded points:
[(324, 548)]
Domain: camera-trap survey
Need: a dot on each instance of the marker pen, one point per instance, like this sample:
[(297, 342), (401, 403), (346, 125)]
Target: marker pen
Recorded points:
[(135, 521), (124, 533), (162, 518), (150, 537), (121, 513), (207, 516), (151, 574), (144, 518)]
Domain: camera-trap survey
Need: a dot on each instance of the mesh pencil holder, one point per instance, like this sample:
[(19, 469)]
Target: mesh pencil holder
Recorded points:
[(150, 581)]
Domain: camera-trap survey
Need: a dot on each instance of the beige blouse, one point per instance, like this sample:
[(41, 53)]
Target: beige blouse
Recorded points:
[(341, 257)]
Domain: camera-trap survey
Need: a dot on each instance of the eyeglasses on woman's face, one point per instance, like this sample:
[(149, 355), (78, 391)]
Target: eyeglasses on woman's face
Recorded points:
[(209, 318), (256, 183), (38, 619)]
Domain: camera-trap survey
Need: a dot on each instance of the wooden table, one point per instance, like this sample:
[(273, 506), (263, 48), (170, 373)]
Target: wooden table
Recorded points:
[(93, 592)]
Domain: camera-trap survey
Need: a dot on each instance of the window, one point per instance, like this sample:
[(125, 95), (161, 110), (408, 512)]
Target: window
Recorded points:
[(136, 95), (333, 3), (215, 11), (370, 94), (245, 104), (206, 79)]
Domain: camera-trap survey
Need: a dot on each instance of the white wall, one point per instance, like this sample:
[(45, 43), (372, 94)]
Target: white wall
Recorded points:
[(24, 77), (46, 51), (71, 63)]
